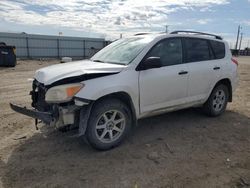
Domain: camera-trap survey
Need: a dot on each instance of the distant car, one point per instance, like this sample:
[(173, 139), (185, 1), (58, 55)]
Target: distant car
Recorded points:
[(133, 78), (7, 55)]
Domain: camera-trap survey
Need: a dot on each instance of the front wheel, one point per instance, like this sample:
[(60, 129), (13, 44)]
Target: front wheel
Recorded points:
[(217, 101), (109, 123)]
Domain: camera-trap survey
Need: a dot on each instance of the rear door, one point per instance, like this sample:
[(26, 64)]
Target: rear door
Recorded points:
[(165, 86), (204, 69)]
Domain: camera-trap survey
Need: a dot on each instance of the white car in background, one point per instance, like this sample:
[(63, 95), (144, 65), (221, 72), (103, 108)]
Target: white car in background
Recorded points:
[(133, 78)]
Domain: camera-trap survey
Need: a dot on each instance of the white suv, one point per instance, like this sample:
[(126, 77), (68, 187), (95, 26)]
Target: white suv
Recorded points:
[(133, 78)]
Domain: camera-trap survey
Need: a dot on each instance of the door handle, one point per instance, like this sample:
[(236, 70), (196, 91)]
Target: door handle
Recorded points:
[(216, 68), (183, 72)]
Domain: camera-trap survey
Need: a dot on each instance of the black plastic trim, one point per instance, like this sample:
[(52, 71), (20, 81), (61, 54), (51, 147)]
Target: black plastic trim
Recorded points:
[(46, 117), (83, 100)]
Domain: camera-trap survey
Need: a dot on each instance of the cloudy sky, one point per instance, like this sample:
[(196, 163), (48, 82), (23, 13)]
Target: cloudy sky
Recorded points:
[(104, 18)]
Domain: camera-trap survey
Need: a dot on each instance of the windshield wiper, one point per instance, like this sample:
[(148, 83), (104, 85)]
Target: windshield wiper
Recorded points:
[(111, 62), (97, 60)]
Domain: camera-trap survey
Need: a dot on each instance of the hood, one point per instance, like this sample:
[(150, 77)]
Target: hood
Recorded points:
[(53, 73)]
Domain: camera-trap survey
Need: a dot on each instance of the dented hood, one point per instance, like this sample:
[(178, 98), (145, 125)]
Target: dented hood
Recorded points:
[(53, 73)]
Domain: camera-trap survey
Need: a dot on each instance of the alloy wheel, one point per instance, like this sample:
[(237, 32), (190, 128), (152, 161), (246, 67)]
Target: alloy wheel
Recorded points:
[(219, 100), (110, 126)]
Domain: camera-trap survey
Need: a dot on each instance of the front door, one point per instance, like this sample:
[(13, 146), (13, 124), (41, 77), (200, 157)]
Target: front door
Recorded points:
[(166, 86)]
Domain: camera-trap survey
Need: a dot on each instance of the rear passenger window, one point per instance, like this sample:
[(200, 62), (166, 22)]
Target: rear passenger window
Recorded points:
[(218, 49), (197, 50)]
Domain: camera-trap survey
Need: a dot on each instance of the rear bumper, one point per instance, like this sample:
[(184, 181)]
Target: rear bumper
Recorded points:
[(46, 117)]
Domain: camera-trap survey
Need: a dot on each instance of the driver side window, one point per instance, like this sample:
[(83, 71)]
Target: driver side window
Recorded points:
[(169, 51)]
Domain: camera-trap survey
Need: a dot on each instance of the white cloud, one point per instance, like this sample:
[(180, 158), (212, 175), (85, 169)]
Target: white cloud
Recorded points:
[(102, 16), (204, 21), (246, 22)]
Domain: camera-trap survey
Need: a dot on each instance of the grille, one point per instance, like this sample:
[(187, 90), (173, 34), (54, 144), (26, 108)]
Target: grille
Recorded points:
[(38, 96)]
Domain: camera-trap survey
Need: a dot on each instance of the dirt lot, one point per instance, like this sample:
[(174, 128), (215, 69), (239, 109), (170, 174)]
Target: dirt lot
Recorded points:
[(180, 149)]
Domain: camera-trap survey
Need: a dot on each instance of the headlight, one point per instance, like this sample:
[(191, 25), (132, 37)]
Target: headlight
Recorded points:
[(62, 93)]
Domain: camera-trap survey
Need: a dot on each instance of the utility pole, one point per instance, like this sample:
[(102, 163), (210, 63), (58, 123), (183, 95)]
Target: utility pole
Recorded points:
[(167, 28), (241, 35), (236, 45)]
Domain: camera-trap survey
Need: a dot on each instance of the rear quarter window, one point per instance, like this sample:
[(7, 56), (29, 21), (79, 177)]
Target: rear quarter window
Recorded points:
[(218, 49)]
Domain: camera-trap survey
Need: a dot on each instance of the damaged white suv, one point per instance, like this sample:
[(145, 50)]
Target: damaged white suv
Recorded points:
[(133, 78)]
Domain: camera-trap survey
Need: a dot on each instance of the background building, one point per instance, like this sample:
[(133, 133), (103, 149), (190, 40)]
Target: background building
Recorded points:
[(44, 46)]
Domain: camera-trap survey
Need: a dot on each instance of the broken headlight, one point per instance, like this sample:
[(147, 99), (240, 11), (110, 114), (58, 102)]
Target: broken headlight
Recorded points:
[(62, 93)]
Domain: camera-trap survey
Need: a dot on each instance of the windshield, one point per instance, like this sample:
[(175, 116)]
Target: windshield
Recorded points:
[(122, 51)]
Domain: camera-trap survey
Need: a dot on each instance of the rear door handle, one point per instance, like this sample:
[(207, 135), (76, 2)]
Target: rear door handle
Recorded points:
[(216, 68), (183, 72)]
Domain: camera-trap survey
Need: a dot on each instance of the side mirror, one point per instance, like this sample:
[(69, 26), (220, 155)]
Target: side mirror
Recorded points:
[(151, 63)]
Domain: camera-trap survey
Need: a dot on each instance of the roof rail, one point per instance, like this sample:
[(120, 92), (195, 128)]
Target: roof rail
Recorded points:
[(199, 33)]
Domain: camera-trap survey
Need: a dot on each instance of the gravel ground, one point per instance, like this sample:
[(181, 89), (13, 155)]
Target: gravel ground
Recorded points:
[(179, 149)]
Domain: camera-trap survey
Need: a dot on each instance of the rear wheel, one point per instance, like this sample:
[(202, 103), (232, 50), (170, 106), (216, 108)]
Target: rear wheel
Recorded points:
[(217, 101), (109, 123)]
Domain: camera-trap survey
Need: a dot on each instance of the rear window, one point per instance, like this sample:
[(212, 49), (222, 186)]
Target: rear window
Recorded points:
[(197, 50), (218, 49)]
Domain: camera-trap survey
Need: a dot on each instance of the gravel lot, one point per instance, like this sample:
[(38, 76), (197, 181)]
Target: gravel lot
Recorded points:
[(180, 149)]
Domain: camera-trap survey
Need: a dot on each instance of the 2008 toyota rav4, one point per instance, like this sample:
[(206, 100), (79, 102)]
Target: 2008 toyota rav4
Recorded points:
[(133, 78)]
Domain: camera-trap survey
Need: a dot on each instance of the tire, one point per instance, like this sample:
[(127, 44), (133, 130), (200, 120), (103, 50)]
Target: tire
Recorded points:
[(109, 123), (217, 101)]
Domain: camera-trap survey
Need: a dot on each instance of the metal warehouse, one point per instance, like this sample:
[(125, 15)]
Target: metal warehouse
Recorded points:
[(45, 46)]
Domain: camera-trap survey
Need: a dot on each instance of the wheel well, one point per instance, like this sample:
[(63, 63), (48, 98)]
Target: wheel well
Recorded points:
[(227, 83), (124, 97)]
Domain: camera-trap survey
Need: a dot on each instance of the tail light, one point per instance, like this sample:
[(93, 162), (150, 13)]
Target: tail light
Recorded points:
[(235, 61)]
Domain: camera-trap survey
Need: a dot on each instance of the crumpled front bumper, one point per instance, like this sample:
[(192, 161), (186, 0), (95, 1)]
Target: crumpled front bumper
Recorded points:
[(46, 117)]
